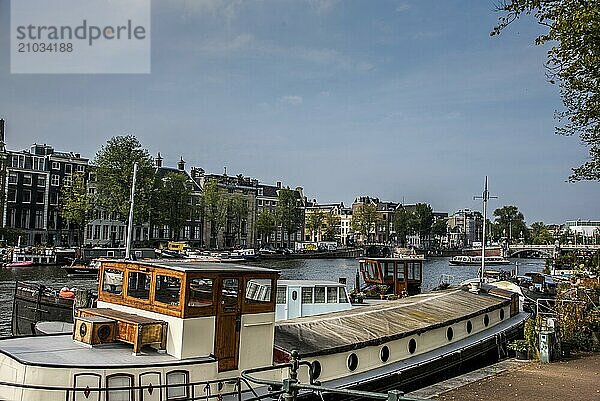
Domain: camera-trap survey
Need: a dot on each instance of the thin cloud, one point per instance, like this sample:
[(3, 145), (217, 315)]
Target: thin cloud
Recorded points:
[(291, 99)]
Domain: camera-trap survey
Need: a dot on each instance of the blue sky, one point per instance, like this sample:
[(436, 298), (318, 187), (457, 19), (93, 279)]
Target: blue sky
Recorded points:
[(404, 100)]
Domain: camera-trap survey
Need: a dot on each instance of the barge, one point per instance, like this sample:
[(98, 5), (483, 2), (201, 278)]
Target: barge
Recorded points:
[(180, 331)]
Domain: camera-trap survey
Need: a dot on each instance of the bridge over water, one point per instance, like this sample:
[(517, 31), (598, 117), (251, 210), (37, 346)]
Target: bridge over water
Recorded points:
[(547, 251)]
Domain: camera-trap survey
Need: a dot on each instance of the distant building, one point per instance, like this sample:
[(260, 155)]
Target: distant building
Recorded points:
[(383, 232), (36, 177), (464, 228), (586, 228), (341, 213)]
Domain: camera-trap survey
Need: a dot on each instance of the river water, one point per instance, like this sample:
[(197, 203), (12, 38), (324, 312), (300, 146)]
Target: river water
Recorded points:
[(319, 269)]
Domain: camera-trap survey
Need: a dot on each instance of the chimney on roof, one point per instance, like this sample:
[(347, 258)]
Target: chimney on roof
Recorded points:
[(181, 164), (158, 160), (278, 184), (2, 123)]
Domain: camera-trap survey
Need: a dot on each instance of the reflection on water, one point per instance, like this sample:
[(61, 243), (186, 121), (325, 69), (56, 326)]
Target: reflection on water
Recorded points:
[(321, 269)]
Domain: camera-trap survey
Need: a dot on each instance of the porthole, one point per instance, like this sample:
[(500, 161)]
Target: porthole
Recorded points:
[(501, 314), (83, 330), (294, 295), (469, 327), (486, 320), (412, 346), (384, 354), (316, 369), (449, 333), (352, 362)]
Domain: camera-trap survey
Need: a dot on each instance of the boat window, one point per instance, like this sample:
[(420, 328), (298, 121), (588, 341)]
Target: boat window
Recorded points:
[(411, 271), (319, 295), (307, 295), (258, 291), (469, 327), (372, 270), (115, 381), (332, 294), (388, 270), (229, 291), (343, 296), (449, 333), (417, 271), (168, 289), (501, 314), (486, 320), (177, 392), (294, 295), (138, 285), (352, 362), (281, 295), (112, 282), (201, 292), (384, 354), (412, 346), (400, 273)]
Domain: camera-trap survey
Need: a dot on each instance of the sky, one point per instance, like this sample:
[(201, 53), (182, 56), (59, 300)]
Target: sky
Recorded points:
[(407, 101)]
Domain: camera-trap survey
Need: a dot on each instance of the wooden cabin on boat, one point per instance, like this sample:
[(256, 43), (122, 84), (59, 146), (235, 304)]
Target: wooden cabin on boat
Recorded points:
[(401, 275)]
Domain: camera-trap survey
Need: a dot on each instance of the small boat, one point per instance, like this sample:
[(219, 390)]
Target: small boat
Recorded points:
[(400, 276), (79, 267), (22, 263), (465, 260)]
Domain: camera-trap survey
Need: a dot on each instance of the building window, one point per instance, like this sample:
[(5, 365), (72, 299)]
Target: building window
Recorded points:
[(68, 168), (177, 392), (26, 196), (38, 164), (41, 181), (12, 194), (25, 218), (18, 161), (39, 219), (54, 198), (67, 180), (105, 232), (39, 197), (260, 202), (117, 381), (12, 178), (55, 180), (97, 232), (79, 168), (92, 191), (55, 166), (26, 179)]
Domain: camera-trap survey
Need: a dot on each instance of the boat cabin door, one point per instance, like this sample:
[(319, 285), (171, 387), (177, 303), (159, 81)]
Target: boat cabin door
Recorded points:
[(293, 302), (228, 321)]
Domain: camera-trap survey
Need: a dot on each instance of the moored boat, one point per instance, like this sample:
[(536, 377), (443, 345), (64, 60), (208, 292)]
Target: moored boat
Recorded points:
[(466, 260), (196, 326)]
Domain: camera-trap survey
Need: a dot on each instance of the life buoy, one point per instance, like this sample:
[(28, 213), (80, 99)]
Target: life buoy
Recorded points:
[(66, 293)]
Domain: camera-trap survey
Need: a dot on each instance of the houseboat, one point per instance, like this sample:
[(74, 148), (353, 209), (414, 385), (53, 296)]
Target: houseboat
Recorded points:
[(297, 298), (168, 330), (400, 275)]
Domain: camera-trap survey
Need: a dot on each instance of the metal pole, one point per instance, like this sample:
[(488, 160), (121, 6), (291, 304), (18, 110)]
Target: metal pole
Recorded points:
[(130, 221)]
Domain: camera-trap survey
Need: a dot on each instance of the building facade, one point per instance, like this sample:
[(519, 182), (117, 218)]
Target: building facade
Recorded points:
[(465, 227)]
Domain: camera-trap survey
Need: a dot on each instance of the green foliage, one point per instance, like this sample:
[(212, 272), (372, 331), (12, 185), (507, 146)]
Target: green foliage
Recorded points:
[(114, 172), (364, 220), (332, 226), (216, 205), (75, 203), (540, 234), (11, 235), (424, 219), (404, 224), (315, 221), (266, 223), (510, 223), (440, 228), (519, 345), (578, 317), (237, 212), (171, 202), (572, 27), (289, 214)]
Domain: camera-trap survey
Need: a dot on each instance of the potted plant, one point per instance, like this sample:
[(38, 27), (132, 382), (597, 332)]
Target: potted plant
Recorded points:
[(521, 349), (382, 290)]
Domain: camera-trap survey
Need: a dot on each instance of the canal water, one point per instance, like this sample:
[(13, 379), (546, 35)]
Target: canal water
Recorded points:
[(320, 269)]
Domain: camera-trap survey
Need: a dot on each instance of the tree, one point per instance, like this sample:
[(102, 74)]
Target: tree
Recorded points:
[(364, 220), (423, 219), (114, 172), (289, 214), (266, 224), (216, 205), (314, 223), (237, 208), (76, 204), (510, 222), (540, 235), (439, 229), (332, 226), (405, 224), (171, 202), (573, 29)]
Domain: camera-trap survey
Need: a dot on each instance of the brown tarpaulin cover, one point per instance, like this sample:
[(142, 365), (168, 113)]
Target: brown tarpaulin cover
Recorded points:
[(377, 324)]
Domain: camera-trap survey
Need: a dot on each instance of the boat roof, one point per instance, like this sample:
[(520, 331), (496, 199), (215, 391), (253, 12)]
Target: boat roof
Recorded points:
[(347, 330), (184, 265), (309, 283), (62, 351), (396, 258)]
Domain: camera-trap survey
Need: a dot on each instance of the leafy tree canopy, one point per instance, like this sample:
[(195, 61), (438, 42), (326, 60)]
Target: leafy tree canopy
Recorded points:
[(510, 223), (171, 201), (573, 29), (289, 214), (76, 204), (540, 235), (364, 219), (114, 172), (315, 221), (266, 223)]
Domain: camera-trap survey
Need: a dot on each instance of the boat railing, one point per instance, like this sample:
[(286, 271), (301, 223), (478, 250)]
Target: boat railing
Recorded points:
[(290, 388)]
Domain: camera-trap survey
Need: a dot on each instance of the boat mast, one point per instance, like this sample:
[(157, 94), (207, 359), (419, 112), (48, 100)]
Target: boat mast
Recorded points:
[(130, 221), (485, 197)]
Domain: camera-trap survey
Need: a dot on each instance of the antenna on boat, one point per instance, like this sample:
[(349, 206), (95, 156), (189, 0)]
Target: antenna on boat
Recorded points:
[(485, 197), (130, 221)]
